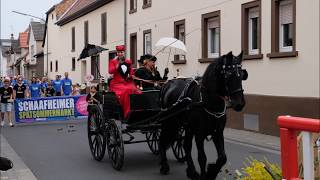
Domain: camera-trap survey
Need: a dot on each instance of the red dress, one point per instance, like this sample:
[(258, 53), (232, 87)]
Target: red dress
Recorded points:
[(123, 88)]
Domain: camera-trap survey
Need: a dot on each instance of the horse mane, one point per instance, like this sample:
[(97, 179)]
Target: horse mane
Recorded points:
[(211, 76)]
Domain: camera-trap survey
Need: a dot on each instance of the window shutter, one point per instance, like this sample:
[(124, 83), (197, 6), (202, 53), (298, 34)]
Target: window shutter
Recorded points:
[(213, 23), (253, 12), (286, 12)]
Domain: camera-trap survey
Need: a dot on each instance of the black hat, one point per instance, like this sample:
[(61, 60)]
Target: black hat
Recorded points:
[(150, 57)]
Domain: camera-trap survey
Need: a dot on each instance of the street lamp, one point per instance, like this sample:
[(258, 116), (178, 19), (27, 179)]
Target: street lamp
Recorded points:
[(47, 34)]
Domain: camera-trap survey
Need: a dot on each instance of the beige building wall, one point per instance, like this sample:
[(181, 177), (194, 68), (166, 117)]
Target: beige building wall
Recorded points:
[(294, 77), (60, 40)]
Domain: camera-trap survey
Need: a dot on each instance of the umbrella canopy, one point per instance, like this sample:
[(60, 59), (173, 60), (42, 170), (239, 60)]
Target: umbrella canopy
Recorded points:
[(91, 50), (171, 46)]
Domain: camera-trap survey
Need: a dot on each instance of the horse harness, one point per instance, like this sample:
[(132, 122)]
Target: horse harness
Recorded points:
[(183, 95)]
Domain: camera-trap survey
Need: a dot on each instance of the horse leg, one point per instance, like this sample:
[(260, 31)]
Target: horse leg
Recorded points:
[(168, 133), (202, 158), (163, 146), (187, 145), (214, 169)]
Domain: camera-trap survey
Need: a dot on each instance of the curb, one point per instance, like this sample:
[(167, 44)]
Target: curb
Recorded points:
[(19, 171), (254, 144)]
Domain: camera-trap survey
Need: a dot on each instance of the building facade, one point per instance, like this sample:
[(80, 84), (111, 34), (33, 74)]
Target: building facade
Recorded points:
[(34, 66), (94, 22), (279, 38)]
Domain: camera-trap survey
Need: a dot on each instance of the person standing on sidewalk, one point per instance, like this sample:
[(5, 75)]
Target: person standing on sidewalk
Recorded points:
[(66, 85), (6, 93), (57, 85), (19, 90), (35, 88)]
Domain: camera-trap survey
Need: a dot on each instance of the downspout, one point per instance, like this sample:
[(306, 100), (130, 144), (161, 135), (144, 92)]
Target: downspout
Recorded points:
[(47, 55), (125, 26)]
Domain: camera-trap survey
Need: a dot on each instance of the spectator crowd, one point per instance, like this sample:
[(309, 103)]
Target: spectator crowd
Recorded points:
[(18, 87)]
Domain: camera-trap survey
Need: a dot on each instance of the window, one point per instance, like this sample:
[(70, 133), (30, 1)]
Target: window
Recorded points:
[(50, 66), (95, 66), (210, 36), (104, 28), (32, 53), (146, 4), (251, 30), (283, 24), (73, 64), (86, 32), (286, 28), (73, 39), (133, 6), (179, 33), (147, 42), (133, 48), (56, 65)]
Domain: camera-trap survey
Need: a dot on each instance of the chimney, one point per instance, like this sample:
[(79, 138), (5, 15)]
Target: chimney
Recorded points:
[(12, 38)]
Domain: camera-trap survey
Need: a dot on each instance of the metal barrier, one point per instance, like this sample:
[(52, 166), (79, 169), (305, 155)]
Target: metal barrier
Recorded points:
[(288, 136)]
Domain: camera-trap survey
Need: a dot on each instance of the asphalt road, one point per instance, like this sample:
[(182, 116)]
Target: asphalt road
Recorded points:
[(61, 151)]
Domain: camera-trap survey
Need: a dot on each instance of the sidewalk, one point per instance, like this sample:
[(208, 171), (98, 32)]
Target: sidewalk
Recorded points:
[(252, 138), (19, 171)]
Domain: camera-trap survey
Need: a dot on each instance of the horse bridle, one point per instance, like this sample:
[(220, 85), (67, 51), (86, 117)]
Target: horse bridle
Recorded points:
[(230, 70)]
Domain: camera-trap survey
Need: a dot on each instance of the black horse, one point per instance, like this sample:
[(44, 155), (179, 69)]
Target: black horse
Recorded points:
[(221, 84)]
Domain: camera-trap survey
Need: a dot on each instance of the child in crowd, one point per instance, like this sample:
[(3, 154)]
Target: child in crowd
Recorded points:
[(93, 97), (76, 90), (49, 92)]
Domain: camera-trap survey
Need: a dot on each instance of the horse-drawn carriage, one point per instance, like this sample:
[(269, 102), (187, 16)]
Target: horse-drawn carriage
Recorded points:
[(183, 110), (108, 129)]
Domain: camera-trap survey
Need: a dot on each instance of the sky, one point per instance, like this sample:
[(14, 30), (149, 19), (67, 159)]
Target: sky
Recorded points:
[(15, 23)]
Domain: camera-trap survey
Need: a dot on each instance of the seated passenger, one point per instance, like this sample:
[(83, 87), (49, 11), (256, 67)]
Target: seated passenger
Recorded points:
[(93, 97), (147, 76), (122, 82)]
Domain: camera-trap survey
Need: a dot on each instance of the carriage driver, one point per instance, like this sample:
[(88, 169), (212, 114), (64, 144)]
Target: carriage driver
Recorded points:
[(122, 82), (147, 76)]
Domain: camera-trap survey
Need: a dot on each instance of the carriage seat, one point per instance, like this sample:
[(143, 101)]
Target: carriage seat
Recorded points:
[(144, 105)]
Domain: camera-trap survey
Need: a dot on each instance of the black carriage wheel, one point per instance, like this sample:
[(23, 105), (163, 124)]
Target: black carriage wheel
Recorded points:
[(115, 145), (177, 146), (96, 133), (153, 141)]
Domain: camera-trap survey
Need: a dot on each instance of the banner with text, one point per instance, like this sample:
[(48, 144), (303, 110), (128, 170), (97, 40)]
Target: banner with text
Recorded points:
[(50, 109)]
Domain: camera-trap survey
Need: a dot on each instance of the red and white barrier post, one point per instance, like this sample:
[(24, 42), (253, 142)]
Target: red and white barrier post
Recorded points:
[(288, 136)]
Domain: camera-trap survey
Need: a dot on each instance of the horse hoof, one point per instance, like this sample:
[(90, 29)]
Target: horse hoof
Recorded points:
[(192, 174), (211, 167), (164, 169), (212, 171)]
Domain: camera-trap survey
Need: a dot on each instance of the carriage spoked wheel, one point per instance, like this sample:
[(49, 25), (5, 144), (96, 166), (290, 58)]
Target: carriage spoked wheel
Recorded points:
[(153, 141), (177, 146), (96, 132), (115, 145)]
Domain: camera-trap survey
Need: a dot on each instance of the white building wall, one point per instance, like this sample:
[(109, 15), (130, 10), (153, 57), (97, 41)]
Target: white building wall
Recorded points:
[(296, 77), (60, 48)]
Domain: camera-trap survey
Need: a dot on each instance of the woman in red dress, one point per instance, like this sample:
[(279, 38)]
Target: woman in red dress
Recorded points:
[(122, 82)]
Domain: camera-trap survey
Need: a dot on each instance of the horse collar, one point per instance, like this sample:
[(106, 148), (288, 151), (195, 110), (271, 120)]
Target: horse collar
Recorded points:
[(215, 114)]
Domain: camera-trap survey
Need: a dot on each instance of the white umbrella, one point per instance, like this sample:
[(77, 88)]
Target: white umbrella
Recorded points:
[(171, 46)]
